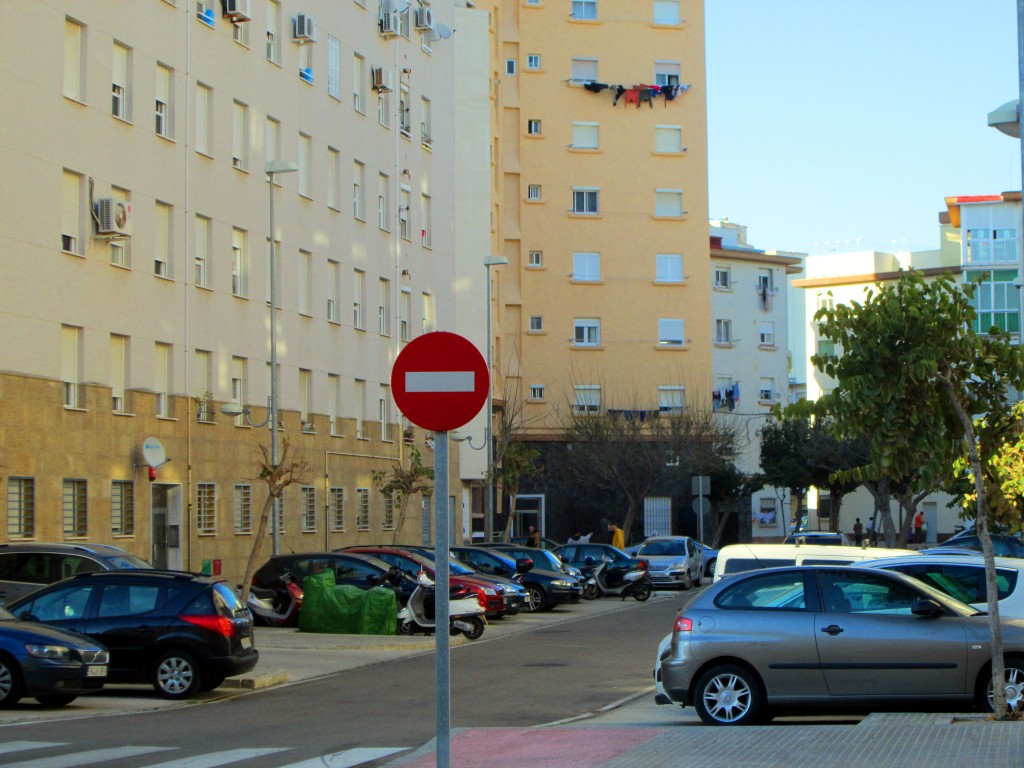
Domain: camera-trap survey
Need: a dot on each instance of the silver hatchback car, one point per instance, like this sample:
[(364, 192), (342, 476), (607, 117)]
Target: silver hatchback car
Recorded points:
[(672, 561), (808, 636)]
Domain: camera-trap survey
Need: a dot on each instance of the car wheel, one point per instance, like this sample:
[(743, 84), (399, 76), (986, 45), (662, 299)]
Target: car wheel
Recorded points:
[(1013, 669), (211, 682), (176, 675), (536, 600), (699, 580), (687, 580), (56, 700), (478, 627), (10, 683), (642, 592), (728, 695), (711, 568)]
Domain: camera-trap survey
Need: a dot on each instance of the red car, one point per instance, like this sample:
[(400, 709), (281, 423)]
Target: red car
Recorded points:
[(492, 603)]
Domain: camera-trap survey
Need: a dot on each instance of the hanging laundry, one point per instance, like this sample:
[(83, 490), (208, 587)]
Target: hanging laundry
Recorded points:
[(633, 97), (646, 97), (619, 90), (596, 87), (669, 92)]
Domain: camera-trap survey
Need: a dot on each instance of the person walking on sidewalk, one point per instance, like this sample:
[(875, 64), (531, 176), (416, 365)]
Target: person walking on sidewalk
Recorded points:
[(858, 532), (618, 538)]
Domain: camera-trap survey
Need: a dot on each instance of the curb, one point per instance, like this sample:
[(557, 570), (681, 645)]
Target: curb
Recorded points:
[(259, 682)]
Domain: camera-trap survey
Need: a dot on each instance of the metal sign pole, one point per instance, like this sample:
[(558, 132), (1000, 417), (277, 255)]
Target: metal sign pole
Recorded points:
[(442, 650)]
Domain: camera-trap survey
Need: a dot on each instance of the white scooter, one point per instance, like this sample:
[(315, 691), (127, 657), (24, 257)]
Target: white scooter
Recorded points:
[(617, 582), (465, 614)]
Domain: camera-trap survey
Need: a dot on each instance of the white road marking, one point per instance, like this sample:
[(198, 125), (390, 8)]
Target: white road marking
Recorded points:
[(348, 758), (439, 381), (213, 759), (20, 746), (87, 758)]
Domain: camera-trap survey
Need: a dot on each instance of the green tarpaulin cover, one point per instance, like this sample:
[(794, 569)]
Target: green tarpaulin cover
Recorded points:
[(344, 609)]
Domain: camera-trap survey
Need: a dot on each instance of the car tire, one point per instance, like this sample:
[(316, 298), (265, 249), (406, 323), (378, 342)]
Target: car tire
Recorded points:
[(10, 683), (728, 695), (56, 699), (687, 581), (710, 568), (536, 599), (1013, 669), (176, 675)]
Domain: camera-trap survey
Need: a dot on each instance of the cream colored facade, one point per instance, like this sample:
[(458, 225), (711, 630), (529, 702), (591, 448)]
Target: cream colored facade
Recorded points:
[(107, 342)]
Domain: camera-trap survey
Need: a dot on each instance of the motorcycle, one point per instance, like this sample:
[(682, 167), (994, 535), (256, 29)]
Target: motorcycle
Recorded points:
[(605, 581), (273, 608), (465, 614)]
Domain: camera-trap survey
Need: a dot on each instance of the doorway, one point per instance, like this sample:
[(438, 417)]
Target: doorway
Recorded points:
[(529, 511), (165, 506)]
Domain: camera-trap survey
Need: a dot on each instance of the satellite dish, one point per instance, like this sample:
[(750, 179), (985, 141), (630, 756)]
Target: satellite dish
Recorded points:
[(153, 452), (443, 32)]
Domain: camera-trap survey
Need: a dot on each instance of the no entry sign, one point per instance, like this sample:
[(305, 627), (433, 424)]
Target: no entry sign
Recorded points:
[(440, 381)]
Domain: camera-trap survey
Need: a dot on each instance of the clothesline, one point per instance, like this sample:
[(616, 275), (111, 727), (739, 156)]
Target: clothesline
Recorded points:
[(638, 94)]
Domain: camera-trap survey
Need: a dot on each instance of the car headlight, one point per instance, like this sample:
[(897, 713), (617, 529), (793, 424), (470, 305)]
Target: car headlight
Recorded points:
[(561, 583), (60, 652), (489, 591), (678, 566)]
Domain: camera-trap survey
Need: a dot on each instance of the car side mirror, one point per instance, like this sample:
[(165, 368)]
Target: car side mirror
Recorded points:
[(523, 565), (927, 607)]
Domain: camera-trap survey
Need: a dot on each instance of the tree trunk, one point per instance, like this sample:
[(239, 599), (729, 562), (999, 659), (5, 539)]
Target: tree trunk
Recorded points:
[(261, 533), (401, 518), (507, 535), (627, 524)]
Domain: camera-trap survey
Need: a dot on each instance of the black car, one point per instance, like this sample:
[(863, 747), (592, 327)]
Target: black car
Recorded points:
[(27, 566), (48, 664), (352, 568), (545, 588), (1003, 544), (587, 555), (181, 632)]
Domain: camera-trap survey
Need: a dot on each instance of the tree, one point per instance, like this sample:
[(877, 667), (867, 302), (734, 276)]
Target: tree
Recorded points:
[(912, 372), (289, 470), (518, 464), (786, 458), (403, 483), (830, 457)]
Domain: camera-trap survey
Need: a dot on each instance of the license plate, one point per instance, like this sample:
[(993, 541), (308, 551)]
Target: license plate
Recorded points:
[(247, 642), (97, 670)]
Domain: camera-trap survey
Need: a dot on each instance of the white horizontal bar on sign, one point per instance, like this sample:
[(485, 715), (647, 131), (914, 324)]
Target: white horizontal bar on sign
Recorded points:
[(439, 381)]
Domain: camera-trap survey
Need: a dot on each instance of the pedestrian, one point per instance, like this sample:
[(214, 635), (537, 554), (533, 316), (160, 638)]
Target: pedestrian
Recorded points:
[(919, 528), (618, 537), (533, 539), (579, 538), (872, 534), (858, 532)]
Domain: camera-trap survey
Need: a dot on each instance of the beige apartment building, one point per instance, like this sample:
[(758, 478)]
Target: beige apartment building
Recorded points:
[(135, 263)]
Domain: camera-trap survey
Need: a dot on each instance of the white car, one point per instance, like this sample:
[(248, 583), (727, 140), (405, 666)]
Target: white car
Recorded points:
[(963, 577), (660, 697)]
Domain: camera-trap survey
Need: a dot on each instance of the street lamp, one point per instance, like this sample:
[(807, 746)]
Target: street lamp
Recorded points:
[(490, 261)]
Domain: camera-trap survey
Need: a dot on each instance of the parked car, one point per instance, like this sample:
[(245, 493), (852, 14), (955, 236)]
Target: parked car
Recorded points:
[(587, 555), (737, 558), (181, 632), (1004, 544), (27, 566), (962, 577), (543, 558), (545, 588), (48, 664), (672, 561), (354, 569), (544, 543), (709, 557), (830, 635), (821, 538)]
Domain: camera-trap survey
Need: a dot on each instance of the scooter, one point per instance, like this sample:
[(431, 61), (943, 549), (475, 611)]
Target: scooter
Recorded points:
[(605, 581), (465, 614), (270, 608)]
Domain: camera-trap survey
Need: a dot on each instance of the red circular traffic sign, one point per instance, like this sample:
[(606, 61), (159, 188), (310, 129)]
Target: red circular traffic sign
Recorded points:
[(440, 381)]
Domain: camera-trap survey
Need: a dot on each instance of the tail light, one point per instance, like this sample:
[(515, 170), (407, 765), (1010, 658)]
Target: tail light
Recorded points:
[(219, 624), (683, 624)]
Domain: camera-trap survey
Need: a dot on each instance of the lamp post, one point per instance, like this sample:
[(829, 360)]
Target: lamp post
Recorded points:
[(490, 261)]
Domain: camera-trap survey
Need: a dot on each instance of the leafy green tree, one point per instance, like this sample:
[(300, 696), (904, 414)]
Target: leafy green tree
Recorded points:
[(786, 458), (518, 463), (830, 457), (403, 483)]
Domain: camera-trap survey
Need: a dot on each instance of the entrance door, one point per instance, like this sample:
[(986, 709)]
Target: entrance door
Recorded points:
[(529, 511), (165, 506)]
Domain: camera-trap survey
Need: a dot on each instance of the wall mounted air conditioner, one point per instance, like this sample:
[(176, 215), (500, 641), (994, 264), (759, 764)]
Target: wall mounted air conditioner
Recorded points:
[(381, 80), (113, 217), (304, 29), (390, 23), (424, 19), (237, 10)]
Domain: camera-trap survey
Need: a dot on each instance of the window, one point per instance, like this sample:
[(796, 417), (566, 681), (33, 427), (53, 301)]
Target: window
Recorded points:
[(206, 508), (240, 34), (669, 268), (204, 119), (766, 394), (163, 378), (242, 508), (360, 397), (202, 251), (306, 63), (305, 278), (384, 109), (162, 108), (666, 11), (307, 508), (585, 135), (120, 83), (120, 249), (122, 508), (991, 245), (585, 201), (536, 323), (336, 508), (995, 300), (239, 262), (425, 221), (587, 398), (272, 141), (533, 127), (384, 308), (359, 83), (21, 507), (405, 311), (429, 315), (536, 259), (533, 61), (75, 508), (666, 73), (723, 331), (586, 267), (333, 291), (358, 299), (510, 66), (584, 70), (388, 512), (586, 332), (273, 31), (71, 366), (305, 154), (118, 372), (533, 192), (362, 509), (536, 391), (404, 118), (333, 67), (404, 230), (766, 334), (671, 399), (668, 202), (826, 301), (668, 139), (778, 591), (163, 246), (334, 404), (723, 278), (71, 213), (202, 375), (826, 347), (584, 9), (426, 124), (239, 366), (333, 179), (768, 513), (74, 61), (358, 183), (306, 399), (239, 135), (670, 332), (870, 593)]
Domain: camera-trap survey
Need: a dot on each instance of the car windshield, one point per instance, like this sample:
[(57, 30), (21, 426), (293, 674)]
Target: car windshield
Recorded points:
[(454, 566), (127, 562), (662, 549)]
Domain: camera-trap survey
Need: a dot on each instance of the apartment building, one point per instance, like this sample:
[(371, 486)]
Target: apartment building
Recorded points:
[(136, 287)]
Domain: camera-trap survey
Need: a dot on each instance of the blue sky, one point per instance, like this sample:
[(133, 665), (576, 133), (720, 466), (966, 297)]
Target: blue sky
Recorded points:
[(833, 120)]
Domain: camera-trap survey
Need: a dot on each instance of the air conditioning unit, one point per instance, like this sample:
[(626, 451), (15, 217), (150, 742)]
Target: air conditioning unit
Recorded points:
[(381, 80), (390, 23), (113, 217), (424, 19), (237, 10), (304, 29)]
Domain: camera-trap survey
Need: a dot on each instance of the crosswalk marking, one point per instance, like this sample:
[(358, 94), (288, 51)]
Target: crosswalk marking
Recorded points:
[(213, 759), (20, 746), (86, 758), (348, 758)]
